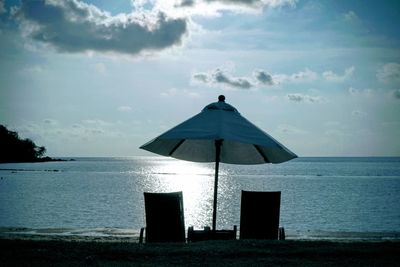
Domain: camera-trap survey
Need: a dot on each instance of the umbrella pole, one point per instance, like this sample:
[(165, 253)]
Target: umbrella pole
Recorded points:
[(218, 144)]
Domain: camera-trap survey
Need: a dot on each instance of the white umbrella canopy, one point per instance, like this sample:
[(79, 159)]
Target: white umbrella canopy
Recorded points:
[(219, 134)]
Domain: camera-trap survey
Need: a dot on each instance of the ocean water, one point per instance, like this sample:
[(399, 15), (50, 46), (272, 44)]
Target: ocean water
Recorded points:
[(321, 197)]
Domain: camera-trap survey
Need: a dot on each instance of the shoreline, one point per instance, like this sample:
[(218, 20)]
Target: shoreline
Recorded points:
[(111, 234), (38, 160)]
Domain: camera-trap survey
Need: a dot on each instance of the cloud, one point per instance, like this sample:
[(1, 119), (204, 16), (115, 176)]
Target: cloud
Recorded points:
[(124, 108), (186, 3), (175, 92), (360, 92), (358, 113), (333, 77), (304, 98), (216, 7), (296, 97), (350, 16), (191, 94), (170, 92), (202, 77), (96, 122), (256, 3), (353, 91), (34, 69), (389, 73), (223, 78), (263, 77), (74, 26), (50, 122), (303, 76), (90, 129)]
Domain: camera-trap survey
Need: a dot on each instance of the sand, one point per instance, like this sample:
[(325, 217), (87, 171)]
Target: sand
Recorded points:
[(35, 250)]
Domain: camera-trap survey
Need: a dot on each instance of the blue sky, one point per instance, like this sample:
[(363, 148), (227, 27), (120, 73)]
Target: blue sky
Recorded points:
[(100, 78)]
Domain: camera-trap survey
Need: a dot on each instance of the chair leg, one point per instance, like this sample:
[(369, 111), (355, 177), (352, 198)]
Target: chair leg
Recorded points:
[(281, 235), (141, 235), (190, 234)]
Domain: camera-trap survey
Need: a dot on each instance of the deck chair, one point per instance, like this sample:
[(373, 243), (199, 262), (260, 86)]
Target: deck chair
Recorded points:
[(164, 218), (259, 215)]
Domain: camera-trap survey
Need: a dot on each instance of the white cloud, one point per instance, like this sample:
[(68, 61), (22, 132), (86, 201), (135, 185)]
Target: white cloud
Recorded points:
[(358, 113), (350, 16), (96, 122), (191, 94), (261, 77), (124, 108), (170, 92), (175, 92), (50, 122), (353, 91), (90, 128), (223, 77), (361, 92), (303, 76), (271, 3), (216, 7), (389, 73), (305, 98), (202, 77), (74, 26), (34, 69), (333, 77)]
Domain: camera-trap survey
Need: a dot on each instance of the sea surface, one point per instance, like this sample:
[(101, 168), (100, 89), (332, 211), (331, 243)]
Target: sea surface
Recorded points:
[(321, 197)]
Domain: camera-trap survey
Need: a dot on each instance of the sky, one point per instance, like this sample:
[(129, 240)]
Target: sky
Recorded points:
[(101, 78)]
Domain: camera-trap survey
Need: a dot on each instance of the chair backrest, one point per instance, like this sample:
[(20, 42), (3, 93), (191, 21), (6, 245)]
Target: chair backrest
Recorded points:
[(259, 215), (164, 217)]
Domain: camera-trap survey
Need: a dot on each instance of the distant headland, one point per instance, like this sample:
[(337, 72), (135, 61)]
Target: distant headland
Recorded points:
[(15, 149)]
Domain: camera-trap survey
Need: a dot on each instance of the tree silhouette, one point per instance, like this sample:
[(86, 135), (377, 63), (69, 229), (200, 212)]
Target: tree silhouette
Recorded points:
[(15, 149)]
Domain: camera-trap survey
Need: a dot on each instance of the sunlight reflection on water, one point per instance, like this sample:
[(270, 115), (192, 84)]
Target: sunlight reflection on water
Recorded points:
[(194, 180)]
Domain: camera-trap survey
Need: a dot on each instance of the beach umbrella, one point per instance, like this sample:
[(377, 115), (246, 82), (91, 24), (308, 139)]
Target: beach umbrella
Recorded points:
[(219, 134)]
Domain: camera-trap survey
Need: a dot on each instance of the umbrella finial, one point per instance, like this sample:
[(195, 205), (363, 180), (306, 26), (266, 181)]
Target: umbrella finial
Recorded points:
[(221, 98)]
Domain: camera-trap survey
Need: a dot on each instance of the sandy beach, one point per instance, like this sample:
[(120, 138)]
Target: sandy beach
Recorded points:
[(37, 250)]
